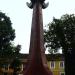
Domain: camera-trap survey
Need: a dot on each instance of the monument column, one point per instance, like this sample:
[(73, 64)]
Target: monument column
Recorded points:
[(37, 64)]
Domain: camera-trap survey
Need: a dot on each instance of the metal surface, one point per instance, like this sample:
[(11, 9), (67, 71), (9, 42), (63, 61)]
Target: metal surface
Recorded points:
[(33, 2), (37, 64)]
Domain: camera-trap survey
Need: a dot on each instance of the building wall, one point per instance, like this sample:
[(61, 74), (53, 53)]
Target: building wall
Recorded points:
[(57, 69)]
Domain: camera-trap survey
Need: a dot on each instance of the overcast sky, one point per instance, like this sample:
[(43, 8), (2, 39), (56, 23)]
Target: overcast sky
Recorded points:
[(21, 17)]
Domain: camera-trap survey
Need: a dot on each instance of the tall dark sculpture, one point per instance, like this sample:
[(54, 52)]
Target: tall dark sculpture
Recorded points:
[(37, 64)]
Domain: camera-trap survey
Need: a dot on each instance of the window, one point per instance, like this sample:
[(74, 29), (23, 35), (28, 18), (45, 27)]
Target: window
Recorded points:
[(5, 66), (61, 64), (52, 64), (62, 73), (22, 67)]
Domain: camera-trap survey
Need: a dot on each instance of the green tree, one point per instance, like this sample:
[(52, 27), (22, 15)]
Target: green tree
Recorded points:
[(61, 34), (7, 35), (17, 49), (15, 65)]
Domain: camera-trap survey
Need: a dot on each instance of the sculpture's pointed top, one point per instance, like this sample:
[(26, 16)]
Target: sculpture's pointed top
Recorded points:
[(34, 1), (44, 5)]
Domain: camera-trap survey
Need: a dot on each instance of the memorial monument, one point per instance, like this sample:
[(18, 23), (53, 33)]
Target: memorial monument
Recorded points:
[(37, 64)]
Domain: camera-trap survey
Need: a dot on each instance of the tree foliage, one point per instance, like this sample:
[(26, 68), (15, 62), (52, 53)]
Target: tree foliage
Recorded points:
[(7, 35), (61, 34), (16, 65)]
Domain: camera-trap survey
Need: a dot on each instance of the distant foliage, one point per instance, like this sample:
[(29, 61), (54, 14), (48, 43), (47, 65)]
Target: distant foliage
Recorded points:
[(61, 34), (7, 35)]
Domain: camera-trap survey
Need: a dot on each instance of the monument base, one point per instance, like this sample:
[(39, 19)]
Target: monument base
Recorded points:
[(37, 70)]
